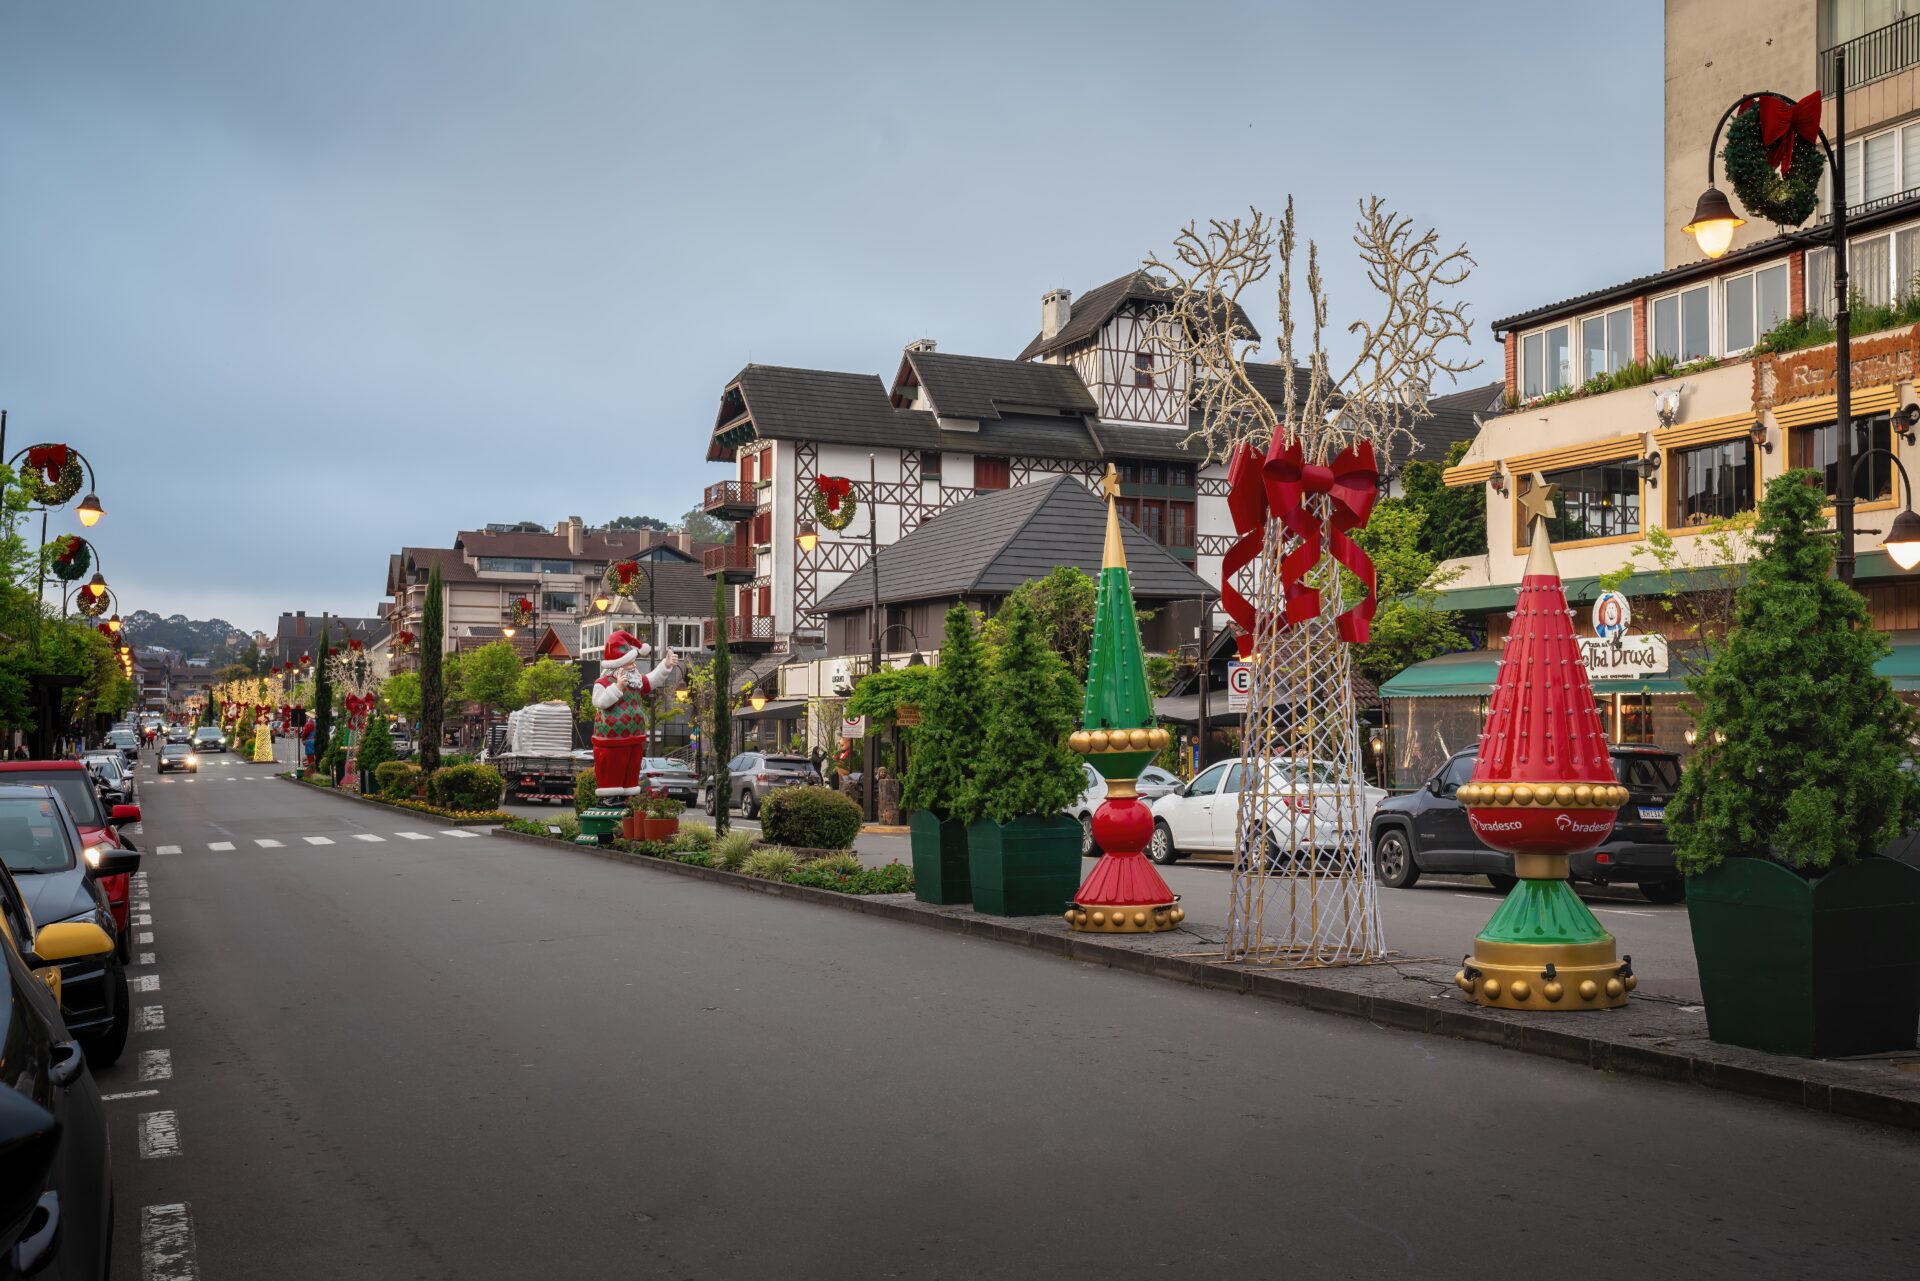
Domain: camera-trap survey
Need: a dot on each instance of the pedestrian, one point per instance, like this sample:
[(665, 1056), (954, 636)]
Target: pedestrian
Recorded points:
[(818, 759), (20, 752)]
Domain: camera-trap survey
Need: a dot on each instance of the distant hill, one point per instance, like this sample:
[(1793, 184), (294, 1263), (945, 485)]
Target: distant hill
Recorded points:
[(213, 638)]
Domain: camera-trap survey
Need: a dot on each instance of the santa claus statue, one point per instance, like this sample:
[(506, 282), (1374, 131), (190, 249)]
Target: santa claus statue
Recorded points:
[(620, 712)]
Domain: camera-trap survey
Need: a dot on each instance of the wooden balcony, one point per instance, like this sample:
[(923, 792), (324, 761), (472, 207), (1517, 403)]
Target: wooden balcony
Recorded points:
[(751, 632), (729, 500), (730, 564)]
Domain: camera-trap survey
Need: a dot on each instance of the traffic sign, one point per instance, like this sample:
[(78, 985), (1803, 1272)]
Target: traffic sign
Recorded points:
[(1239, 686)]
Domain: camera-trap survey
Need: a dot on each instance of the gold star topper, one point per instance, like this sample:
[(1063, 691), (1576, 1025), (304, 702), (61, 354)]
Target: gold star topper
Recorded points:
[(1537, 499), (1110, 483)]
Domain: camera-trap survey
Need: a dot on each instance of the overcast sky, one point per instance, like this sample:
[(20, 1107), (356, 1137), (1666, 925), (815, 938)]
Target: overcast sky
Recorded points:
[(313, 281)]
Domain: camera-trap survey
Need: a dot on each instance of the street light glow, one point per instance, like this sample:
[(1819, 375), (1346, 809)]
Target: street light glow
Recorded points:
[(1902, 543), (90, 511), (1714, 223)]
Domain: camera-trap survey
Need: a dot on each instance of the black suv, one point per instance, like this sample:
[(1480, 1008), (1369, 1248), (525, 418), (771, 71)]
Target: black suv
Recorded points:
[(1427, 830)]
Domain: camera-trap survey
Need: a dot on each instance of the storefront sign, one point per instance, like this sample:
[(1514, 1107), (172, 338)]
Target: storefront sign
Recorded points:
[(1798, 375), (906, 714), (1239, 686), (1611, 615), (1624, 657)]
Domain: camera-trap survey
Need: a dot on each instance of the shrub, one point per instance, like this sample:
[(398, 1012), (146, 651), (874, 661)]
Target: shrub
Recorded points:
[(397, 778), (376, 747), (1024, 766), (732, 850), (770, 864), (466, 787), (893, 878), (816, 817), (845, 863), (584, 795), (698, 858), (685, 842), (699, 833)]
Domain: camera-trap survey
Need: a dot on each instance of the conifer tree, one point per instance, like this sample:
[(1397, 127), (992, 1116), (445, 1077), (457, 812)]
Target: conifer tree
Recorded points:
[(1024, 766), (433, 686), (721, 740), (322, 695), (952, 723), (1810, 769)]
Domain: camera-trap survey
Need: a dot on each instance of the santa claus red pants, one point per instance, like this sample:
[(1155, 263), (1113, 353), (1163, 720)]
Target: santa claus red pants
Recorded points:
[(616, 763)]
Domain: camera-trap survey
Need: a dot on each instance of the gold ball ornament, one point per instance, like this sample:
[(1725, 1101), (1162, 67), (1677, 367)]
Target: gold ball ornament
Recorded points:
[(1179, 915), (1616, 989), (1158, 739), (1137, 739), (1491, 989), (1503, 794), (1631, 981), (1563, 794), (1523, 795), (1098, 740), (1553, 989), (1070, 914), (1588, 989), (1519, 989), (1099, 918), (1461, 981), (1139, 919), (1583, 795), (1077, 741)]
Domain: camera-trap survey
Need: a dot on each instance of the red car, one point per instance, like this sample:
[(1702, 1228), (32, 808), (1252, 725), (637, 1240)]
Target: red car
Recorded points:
[(74, 782)]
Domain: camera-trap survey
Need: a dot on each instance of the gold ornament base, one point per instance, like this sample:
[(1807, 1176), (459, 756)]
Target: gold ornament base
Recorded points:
[(1126, 918), (1546, 976)]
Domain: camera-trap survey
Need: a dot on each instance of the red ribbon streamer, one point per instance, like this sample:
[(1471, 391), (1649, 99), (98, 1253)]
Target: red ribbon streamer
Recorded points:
[(835, 488), (51, 459), (1247, 502), (1782, 124)]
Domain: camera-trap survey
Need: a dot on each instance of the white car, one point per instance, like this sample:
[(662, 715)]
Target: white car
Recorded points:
[(1201, 817), (1152, 784)]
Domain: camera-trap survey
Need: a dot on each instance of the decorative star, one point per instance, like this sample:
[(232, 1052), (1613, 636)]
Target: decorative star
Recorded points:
[(1538, 498), (1110, 483)]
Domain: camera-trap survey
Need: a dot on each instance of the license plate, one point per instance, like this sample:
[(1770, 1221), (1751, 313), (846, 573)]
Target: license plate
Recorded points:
[(1651, 812)]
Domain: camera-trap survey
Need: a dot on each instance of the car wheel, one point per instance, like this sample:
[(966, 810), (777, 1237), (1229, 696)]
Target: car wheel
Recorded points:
[(1501, 881), (1160, 849), (1392, 861), (750, 805), (1674, 891), (104, 1050), (1087, 847)]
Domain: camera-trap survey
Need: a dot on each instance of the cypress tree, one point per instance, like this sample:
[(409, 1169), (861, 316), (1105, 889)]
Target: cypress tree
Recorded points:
[(1810, 769), (721, 739), (947, 744), (322, 696), (433, 686), (1025, 767)]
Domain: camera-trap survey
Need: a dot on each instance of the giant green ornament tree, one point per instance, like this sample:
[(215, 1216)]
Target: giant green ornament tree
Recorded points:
[(1118, 737)]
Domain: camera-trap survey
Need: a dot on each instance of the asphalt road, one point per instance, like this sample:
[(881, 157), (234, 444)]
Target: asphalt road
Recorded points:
[(464, 1057)]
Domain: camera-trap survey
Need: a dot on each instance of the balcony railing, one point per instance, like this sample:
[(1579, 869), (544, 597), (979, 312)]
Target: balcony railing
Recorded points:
[(1877, 54), (747, 631), (729, 500), (730, 564)]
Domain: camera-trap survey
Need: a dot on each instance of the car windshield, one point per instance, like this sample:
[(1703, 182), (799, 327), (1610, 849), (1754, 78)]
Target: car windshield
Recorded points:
[(206, 731), (75, 787), (788, 763), (667, 765), (121, 737), (1647, 772), (174, 749), (32, 838)]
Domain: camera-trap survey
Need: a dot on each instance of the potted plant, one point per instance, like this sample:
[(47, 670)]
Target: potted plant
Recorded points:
[(946, 748), (1023, 852), (1807, 942), (633, 818), (660, 817)]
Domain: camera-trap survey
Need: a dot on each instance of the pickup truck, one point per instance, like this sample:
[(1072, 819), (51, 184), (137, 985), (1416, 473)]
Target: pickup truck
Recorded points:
[(537, 778)]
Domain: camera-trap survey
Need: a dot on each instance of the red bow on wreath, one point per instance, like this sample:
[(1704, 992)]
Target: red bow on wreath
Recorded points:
[(1280, 486), (51, 459), (834, 488), (1782, 124), (626, 569), (70, 550), (355, 646)]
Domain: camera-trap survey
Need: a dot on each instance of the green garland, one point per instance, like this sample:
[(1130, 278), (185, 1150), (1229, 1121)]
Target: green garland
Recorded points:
[(76, 566), (42, 492), (835, 520), (1788, 201)]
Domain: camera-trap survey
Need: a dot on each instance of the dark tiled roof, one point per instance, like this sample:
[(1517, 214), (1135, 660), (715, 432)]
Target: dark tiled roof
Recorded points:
[(989, 545), (680, 589), (596, 545), (984, 386), (1095, 307), (307, 626), (421, 560), (1452, 421)]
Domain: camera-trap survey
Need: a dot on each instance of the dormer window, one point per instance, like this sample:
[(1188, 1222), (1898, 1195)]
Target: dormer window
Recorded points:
[(1143, 369)]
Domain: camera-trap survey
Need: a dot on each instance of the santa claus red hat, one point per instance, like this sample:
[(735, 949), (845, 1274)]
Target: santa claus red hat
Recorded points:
[(623, 649)]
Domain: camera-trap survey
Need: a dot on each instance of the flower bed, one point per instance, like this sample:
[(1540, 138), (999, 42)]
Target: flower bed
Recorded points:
[(419, 807), (835, 870)]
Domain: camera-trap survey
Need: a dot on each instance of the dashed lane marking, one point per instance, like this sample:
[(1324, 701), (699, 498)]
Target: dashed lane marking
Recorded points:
[(168, 849), (159, 1134), (156, 1065), (147, 983), (144, 936), (128, 1094), (1621, 911), (142, 918), (221, 846), (318, 840), (166, 1243), (413, 836), (267, 843), (146, 958), (367, 836), (456, 831), (150, 1018)]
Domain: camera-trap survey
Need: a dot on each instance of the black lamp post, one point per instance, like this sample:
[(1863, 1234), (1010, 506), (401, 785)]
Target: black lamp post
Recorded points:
[(1712, 227)]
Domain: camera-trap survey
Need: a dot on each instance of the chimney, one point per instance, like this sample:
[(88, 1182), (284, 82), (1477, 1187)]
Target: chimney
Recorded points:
[(574, 540), (921, 344), (1056, 309)]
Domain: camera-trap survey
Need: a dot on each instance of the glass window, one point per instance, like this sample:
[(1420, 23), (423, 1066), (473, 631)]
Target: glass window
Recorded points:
[(1843, 20), (1879, 170), (1606, 342), (1545, 357), (1870, 270), (1179, 524), (1820, 282), (1233, 780), (1143, 369), (32, 838), (1737, 307), (1910, 157), (929, 464), (1209, 780), (1180, 474), (1680, 325), (1459, 770), (1753, 303), (990, 473), (1711, 482), (1906, 259), (563, 602), (1666, 327), (1601, 501), (1819, 448)]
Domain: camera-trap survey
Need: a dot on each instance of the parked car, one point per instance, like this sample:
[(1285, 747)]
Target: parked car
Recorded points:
[(402, 743), (99, 823), (58, 879), (754, 775), (1202, 816), (208, 739), (56, 1193), (115, 779), (1152, 784), (1427, 830), (126, 742), (675, 778), (178, 756)]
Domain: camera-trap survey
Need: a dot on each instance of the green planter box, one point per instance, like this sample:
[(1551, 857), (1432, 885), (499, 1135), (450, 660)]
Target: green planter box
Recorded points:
[(1819, 967), (940, 865), (1029, 867)]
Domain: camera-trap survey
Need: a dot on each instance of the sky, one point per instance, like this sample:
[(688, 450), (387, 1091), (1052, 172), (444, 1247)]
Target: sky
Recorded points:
[(312, 280)]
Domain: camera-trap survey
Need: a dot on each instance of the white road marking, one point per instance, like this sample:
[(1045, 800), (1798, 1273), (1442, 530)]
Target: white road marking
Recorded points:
[(147, 983), (221, 846), (129, 1094), (1621, 911), (166, 1244), (151, 1018), (142, 918), (267, 843), (229, 779), (367, 836), (159, 1134), (457, 831), (144, 936), (318, 840), (168, 849), (156, 1065), (146, 958), (413, 836)]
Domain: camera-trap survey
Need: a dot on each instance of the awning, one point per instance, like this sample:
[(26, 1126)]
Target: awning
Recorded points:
[(1580, 591), (775, 710), (1185, 708), (1471, 675)]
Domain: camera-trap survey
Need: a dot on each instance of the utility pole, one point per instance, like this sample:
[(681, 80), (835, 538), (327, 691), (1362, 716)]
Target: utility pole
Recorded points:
[(869, 767), (1200, 717)]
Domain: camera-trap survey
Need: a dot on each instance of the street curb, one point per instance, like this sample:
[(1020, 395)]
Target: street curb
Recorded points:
[(391, 809), (1453, 1019)]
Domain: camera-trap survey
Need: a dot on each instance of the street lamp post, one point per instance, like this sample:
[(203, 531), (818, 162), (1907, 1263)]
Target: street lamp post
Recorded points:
[(870, 773), (1712, 227)]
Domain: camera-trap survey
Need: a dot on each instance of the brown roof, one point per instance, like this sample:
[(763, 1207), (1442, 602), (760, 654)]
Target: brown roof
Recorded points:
[(1094, 308), (595, 544)]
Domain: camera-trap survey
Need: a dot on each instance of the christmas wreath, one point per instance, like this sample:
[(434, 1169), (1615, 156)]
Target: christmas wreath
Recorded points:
[(833, 502), (52, 475), (90, 604), (624, 578), (523, 612), (69, 558), (1773, 160), (403, 642)]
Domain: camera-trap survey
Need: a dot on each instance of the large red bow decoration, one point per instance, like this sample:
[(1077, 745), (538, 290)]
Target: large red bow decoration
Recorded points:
[(1784, 123), (70, 549), (1247, 502), (834, 488), (626, 569), (51, 459)]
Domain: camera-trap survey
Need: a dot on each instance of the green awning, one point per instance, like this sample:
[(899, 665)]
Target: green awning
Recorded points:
[(1581, 591), (1471, 675)]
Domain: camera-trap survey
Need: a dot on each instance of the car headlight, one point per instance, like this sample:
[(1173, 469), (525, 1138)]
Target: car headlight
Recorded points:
[(193, 760)]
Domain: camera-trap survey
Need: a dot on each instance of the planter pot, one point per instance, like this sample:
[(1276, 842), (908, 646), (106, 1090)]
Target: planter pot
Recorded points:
[(940, 870), (1029, 867), (1822, 967), (658, 829), (630, 826)]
